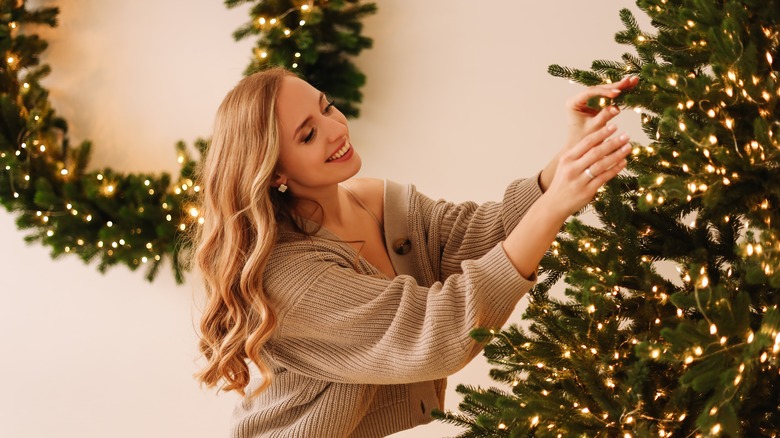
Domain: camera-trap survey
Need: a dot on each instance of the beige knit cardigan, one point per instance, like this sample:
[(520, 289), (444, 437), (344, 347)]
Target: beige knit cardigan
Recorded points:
[(357, 355)]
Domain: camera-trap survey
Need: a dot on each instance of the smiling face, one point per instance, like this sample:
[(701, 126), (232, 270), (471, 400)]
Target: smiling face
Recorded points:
[(315, 150)]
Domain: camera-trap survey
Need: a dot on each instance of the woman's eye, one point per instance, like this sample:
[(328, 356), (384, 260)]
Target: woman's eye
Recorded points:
[(309, 137), (327, 108)]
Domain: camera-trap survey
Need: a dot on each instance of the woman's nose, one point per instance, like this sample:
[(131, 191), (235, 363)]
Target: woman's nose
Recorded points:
[(335, 129)]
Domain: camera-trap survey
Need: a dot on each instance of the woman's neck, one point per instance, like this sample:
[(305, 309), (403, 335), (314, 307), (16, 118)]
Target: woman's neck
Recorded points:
[(327, 206)]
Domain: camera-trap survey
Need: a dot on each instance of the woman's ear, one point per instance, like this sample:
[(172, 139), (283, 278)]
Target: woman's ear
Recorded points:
[(278, 180)]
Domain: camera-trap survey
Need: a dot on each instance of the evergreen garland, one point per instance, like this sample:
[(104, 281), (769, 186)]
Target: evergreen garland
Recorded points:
[(139, 219), (311, 39), (630, 351)]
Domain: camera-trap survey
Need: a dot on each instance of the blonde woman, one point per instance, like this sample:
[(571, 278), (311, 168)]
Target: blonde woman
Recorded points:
[(352, 299)]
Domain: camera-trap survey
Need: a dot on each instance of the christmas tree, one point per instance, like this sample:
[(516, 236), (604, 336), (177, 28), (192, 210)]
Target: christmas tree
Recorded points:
[(632, 350)]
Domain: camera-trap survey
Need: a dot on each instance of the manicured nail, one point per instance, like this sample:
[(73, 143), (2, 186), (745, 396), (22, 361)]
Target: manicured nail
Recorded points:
[(623, 137), (614, 110), (625, 148), (616, 90), (611, 127)]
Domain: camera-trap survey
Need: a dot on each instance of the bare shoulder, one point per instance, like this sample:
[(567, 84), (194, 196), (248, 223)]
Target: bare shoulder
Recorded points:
[(371, 192)]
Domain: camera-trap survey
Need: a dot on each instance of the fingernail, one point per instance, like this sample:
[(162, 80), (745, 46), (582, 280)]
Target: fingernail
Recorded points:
[(614, 110), (623, 137), (625, 148), (616, 90), (611, 127)]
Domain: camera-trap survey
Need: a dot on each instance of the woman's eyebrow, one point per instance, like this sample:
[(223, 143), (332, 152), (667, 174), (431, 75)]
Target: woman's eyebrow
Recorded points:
[(307, 119)]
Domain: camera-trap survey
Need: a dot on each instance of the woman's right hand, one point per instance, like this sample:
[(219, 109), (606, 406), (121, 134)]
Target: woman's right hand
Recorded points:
[(586, 166)]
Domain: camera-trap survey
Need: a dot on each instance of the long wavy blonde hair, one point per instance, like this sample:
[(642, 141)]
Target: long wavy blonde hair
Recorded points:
[(242, 212)]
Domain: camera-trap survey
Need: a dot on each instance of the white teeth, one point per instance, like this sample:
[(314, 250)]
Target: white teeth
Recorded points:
[(340, 153)]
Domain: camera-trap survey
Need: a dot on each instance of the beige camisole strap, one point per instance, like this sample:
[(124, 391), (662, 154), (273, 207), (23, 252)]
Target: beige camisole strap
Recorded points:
[(363, 206)]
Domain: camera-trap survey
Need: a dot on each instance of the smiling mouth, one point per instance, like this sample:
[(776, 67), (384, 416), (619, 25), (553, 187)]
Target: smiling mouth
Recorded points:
[(340, 153)]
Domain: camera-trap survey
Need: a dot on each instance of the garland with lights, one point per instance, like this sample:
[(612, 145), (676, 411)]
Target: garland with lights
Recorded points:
[(632, 351), (139, 219)]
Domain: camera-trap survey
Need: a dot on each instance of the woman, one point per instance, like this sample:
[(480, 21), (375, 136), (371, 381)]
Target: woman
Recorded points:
[(354, 298)]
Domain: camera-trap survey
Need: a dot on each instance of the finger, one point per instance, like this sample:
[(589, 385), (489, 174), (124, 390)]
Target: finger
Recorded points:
[(608, 174), (580, 101), (606, 155), (612, 158), (601, 119), (611, 90), (628, 82), (589, 141)]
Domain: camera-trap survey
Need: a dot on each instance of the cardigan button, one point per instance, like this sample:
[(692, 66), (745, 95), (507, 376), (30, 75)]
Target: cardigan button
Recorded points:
[(402, 246)]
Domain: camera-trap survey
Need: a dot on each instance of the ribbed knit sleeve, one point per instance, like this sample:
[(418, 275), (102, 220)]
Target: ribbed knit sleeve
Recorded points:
[(340, 325), (464, 231)]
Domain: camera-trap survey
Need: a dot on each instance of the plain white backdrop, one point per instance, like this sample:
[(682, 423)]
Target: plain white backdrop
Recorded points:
[(458, 101)]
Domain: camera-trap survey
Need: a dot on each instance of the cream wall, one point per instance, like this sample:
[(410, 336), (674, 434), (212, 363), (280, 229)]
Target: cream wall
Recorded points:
[(458, 102)]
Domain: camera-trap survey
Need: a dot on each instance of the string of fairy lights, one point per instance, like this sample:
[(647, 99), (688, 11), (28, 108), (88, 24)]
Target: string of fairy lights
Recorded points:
[(266, 24)]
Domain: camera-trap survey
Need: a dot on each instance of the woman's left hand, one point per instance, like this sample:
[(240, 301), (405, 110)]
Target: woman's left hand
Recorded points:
[(584, 120)]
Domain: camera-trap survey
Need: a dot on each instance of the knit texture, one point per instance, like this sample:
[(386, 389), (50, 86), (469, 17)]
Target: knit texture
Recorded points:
[(357, 355)]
